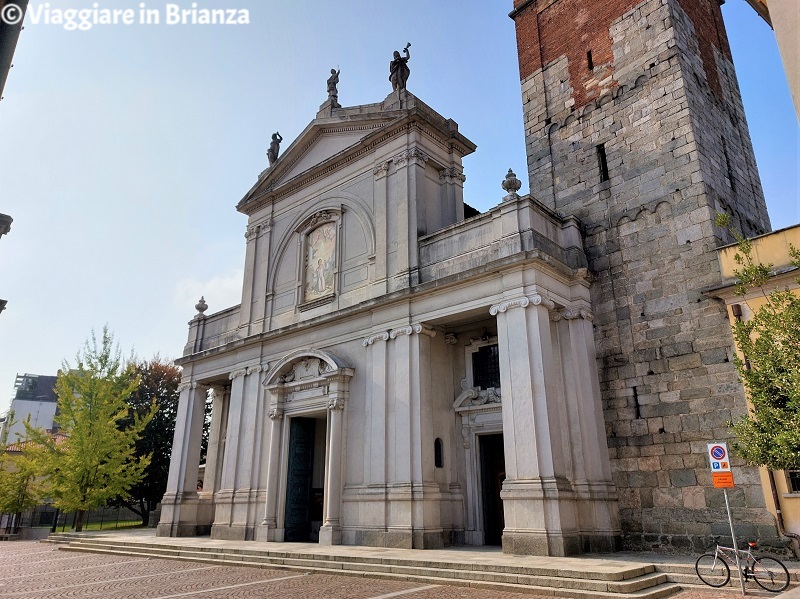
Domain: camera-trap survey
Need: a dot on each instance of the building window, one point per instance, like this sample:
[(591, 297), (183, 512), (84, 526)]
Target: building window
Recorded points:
[(793, 477), (438, 453), (602, 162), (486, 367), (589, 60)]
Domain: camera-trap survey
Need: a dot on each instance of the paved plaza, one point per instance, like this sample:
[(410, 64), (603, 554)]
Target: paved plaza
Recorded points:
[(34, 570)]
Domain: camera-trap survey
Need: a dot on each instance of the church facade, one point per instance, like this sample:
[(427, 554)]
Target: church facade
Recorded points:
[(543, 375)]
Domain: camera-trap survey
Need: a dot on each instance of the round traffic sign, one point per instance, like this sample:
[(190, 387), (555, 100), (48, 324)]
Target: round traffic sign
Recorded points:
[(718, 452)]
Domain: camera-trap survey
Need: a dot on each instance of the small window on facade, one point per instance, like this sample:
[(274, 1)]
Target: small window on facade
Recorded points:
[(794, 481), (486, 367), (602, 162), (589, 60), (438, 453)]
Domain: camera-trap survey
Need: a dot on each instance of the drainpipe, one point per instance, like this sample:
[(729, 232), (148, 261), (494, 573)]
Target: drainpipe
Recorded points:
[(779, 514)]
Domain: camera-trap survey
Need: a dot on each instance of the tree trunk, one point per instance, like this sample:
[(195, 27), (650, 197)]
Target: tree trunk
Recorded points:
[(79, 520)]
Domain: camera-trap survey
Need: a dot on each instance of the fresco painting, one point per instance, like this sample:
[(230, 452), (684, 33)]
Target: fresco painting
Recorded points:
[(320, 257)]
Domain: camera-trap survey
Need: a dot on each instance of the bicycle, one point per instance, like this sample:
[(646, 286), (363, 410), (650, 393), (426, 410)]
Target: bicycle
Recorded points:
[(768, 573)]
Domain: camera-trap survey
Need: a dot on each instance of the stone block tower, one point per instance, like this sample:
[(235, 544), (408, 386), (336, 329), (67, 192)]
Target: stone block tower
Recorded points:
[(634, 123)]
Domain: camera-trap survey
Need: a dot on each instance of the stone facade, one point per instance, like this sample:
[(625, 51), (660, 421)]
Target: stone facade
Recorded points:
[(634, 124), (546, 374), (396, 375)]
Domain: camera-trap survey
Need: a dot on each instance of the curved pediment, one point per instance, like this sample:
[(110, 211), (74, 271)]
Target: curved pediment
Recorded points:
[(306, 365)]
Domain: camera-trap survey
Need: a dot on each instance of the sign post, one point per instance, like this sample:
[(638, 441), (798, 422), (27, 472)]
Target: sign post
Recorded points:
[(722, 477)]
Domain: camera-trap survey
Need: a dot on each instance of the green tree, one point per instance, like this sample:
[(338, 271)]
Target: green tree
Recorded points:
[(20, 488), (159, 382), (769, 434), (97, 461)]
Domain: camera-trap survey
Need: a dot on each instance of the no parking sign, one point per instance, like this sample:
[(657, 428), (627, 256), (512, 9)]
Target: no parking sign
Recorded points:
[(721, 474)]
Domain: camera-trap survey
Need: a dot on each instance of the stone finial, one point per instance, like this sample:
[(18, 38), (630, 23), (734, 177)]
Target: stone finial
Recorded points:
[(201, 306), (511, 185)]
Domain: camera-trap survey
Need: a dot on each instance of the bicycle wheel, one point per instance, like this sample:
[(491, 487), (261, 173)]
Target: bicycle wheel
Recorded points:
[(770, 574), (712, 570)]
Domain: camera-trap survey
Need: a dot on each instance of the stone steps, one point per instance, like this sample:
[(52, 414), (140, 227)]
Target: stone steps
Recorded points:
[(627, 581)]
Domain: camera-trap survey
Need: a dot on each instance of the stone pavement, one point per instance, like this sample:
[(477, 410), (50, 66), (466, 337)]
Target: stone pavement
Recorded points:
[(34, 570)]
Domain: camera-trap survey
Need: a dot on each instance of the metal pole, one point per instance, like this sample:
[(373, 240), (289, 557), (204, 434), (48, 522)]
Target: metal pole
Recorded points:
[(735, 546)]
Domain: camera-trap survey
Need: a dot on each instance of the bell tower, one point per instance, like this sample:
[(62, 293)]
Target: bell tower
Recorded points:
[(634, 123)]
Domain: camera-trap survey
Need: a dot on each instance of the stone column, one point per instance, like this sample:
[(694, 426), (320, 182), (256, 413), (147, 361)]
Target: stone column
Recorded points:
[(377, 384), (331, 531), (224, 516), (384, 222), (452, 195), (538, 502), (406, 189), (214, 438), (179, 505), (597, 496), (414, 496), (251, 234), (266, 532)]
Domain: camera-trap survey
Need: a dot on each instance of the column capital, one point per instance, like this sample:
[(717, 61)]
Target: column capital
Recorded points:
[(276, 413), (522, 302), (237, 373), (254, 368), (187, 385), (381, 170), (573, 314), (452, 174), (412, 156), (336, 403), (419, 329), (384, 336)]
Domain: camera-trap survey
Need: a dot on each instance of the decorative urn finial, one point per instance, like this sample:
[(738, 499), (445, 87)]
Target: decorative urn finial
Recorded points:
[(201, 306), (512, 185)]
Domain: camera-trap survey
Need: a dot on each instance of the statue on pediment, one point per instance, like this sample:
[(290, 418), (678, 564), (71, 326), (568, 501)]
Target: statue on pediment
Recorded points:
[(274, 148), (333, 91), (398, 69)]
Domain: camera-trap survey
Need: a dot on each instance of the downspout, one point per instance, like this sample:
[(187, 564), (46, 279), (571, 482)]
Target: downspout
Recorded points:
[(779, 514)]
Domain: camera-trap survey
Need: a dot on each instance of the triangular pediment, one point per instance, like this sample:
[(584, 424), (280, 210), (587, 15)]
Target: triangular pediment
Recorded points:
[(338, 133)]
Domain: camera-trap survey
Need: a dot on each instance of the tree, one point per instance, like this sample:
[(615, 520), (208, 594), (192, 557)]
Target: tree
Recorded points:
[(97, 461), (158, 386), (20, 488), (769, 434)]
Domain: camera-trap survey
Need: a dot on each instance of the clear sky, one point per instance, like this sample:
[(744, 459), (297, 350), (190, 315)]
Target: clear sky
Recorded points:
[(124, 149)]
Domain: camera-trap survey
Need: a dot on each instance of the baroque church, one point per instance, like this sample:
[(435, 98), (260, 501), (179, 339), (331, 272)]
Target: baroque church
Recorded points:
[(403, 371)]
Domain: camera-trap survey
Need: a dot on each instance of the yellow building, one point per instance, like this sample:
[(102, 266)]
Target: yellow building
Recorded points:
[(781, 489), (784, 18)]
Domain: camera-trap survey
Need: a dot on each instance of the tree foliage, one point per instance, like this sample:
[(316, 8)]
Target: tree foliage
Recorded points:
[(158, 386), (97, 461), (20, 487), (769, 435)]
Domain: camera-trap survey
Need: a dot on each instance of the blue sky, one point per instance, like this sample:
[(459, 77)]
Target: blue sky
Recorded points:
[(125, 148)]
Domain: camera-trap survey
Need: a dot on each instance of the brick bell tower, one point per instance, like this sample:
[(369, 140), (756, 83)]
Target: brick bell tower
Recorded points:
[(634, 123)]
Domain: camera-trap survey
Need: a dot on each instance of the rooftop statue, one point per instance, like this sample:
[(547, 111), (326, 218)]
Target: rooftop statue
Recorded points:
[(333, 92), (274, 148), (398, 69)]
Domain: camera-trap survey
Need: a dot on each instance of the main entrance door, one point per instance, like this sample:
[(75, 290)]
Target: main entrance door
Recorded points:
[(493, 473), (299, 480)]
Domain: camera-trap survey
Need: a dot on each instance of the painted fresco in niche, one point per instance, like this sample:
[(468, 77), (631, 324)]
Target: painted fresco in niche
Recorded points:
[(320, 258)]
